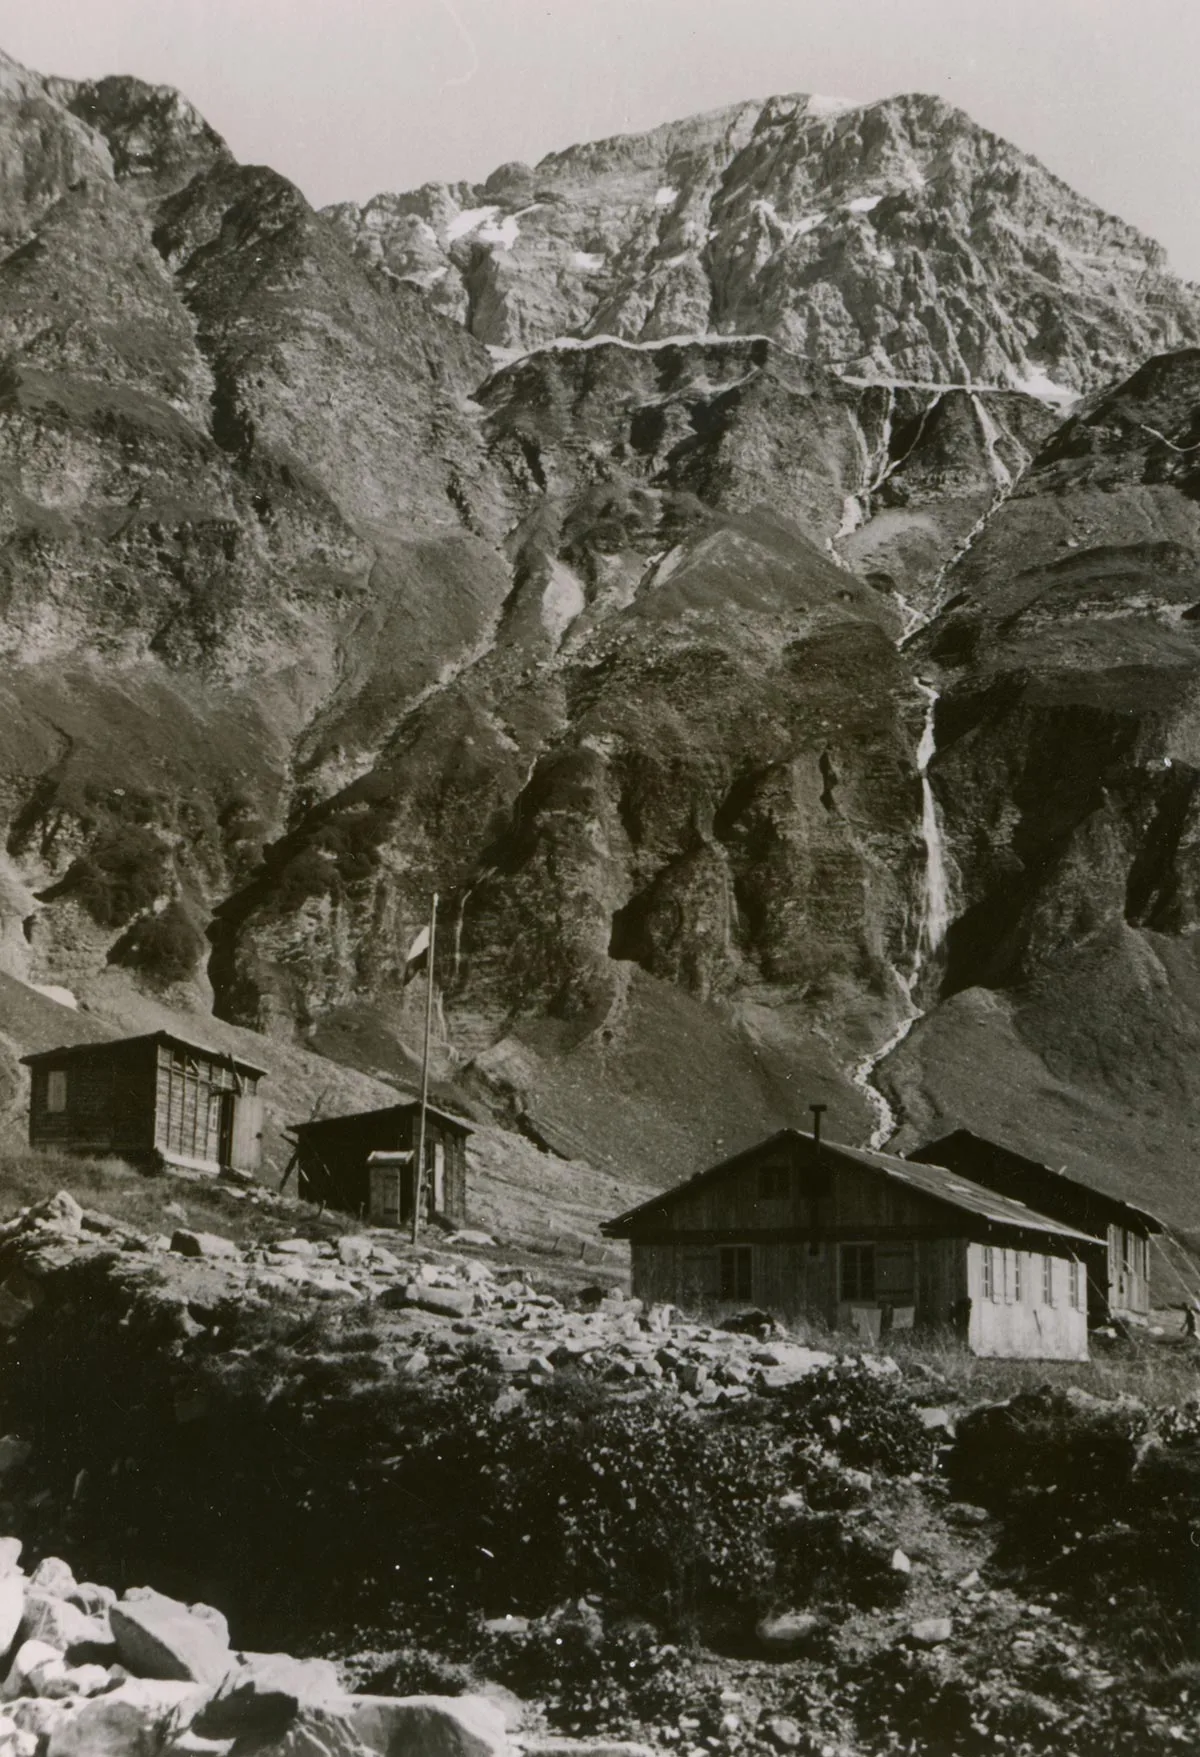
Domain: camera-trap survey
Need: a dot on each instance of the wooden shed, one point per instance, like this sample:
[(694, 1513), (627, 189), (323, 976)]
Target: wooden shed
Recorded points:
[(810, 1229), (156, 1099), (333, 1163), (1118, 1266)]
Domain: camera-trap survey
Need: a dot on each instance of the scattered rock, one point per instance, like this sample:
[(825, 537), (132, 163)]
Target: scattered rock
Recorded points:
[(53, 1575), (63, 1625), (265, 1692), (157, 1637), (202, 1244), (59, 1213), (788, 1632), (28, 1657), (784, 1732), (134, 1720), (506, 1626), (900, 1563), (931, 1631), (547, 1746), (12, 1608), (447, 1302), (430, 1726)]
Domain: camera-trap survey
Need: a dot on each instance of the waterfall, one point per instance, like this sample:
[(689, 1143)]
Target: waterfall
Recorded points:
[(933, 920), (935, 903), (1000, 472)]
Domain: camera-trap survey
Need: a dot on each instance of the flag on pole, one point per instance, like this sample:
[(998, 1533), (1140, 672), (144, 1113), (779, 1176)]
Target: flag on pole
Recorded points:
[(418, 957)]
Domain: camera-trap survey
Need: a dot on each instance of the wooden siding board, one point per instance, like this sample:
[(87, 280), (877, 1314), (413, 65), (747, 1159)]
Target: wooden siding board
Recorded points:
[(108, 1101), (1005, 1328), (332, 1158)]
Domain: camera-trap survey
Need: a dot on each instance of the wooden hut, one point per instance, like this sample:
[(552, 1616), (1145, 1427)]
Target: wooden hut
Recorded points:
[(1118, 1265), (333, 1160), (156, 1099), (860, 1240)]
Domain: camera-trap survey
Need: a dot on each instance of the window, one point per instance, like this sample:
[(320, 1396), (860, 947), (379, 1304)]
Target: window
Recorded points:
[(56, 1089), (1074, 1283), (736, 1280), (989, 1272), (1018, 1279), (1047, 1281), (858, 1271), (772, 1182)]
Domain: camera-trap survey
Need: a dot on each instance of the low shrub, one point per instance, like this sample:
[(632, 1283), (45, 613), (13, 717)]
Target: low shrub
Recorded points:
[(868, 1421), (164, 948), (1102, 1500), (594, 1678), (120, 875)]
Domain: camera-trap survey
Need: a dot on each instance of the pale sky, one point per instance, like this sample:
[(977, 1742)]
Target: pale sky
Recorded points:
[(350, 97)]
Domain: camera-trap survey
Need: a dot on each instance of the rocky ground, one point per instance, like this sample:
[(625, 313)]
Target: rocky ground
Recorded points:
[(928, 1611)]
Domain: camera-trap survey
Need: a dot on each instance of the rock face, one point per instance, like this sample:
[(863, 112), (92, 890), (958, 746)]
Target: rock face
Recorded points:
[(1067, 774), (896, 239), (343, 559)]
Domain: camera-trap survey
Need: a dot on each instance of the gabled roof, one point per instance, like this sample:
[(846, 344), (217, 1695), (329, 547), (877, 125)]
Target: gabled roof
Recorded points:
[(1052, 1182), (933, 1181), (75, 1051), (404, 1107)]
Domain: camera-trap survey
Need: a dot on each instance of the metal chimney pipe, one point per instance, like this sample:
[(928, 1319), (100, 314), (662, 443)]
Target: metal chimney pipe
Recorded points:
[(818, 1111)]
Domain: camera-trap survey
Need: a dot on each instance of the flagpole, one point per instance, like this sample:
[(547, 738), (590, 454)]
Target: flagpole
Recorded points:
[(420, 1167)]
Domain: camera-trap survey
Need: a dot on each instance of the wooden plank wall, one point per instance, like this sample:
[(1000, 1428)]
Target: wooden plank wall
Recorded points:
[(188, 1107), (332, 1161), (1030, 1328), (109, 1101)]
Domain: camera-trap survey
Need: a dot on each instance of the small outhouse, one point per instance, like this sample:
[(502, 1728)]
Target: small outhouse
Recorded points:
[(365, 1163), (157, 1099), (862, 1241)]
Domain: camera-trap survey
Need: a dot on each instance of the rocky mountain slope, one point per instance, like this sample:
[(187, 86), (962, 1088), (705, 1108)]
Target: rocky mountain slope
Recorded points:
[(1067, 773), (552, 545), (894, 239)]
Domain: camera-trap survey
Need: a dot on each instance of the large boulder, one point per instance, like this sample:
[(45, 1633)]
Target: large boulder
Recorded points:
[(430, 1726), (50, 1618), (264, 1694), (12, 1608), (26, 1661), (202, 1244), (157, 1637), (135, 1720)]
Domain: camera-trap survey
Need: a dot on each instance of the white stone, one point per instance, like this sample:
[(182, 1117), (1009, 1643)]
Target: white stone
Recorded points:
[(157, 1637), (28, 1657), (134, 1720), (12, 1608)]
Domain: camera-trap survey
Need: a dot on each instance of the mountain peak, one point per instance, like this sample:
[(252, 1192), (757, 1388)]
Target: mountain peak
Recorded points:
[(895, 240)]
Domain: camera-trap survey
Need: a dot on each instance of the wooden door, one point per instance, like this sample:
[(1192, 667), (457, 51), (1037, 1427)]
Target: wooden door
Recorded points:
[(245, 1144)]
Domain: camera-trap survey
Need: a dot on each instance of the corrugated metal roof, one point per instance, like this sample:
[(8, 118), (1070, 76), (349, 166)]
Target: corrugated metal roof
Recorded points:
[(960, 1192), (1057, 1178), (928, 1180)]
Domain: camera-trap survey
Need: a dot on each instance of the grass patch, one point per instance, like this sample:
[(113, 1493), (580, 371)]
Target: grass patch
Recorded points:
[(139, 1200)]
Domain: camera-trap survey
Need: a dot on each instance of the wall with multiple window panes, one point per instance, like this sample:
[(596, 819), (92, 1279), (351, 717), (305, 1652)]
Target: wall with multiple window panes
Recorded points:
[(1026, 1304), (1128, 1270)]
